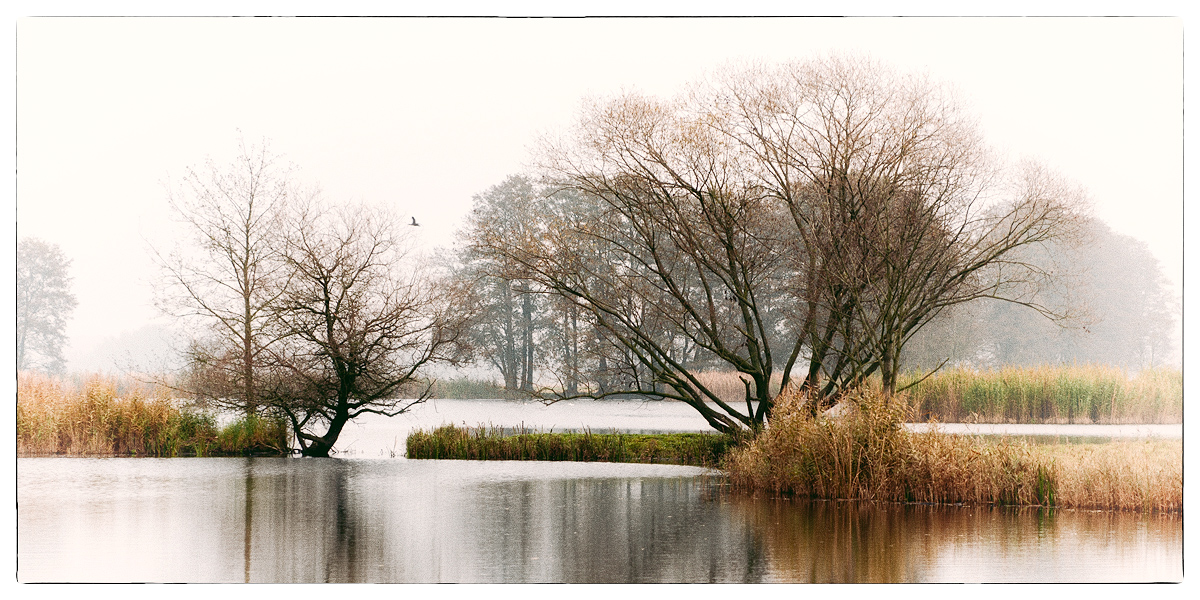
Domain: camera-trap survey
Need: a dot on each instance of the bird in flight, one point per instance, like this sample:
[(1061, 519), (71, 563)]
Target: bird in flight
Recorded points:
[(414, 223)]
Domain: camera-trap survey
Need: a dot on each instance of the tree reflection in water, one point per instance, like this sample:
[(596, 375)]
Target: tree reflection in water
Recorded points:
[(318, 520)]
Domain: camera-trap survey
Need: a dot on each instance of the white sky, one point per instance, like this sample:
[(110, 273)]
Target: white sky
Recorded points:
[(423, 113)]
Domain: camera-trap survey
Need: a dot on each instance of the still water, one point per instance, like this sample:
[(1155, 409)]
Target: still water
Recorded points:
[(367, 517)]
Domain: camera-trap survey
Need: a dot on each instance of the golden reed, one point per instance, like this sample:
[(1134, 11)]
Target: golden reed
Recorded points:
[(865, 454), (105, 416)]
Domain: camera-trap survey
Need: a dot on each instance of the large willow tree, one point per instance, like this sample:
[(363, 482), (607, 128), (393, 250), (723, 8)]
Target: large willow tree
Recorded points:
[(806, 219)]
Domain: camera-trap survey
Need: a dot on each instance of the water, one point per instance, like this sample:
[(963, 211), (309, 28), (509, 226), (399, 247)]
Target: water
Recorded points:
[(338, 520), (363, 518), (375, 436)]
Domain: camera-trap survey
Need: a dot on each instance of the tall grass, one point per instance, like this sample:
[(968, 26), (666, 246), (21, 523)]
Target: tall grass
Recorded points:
[(91, 417), (728, 386), (108, 416), (867, 455), (494, 443), (1051, 394), (253, 434)]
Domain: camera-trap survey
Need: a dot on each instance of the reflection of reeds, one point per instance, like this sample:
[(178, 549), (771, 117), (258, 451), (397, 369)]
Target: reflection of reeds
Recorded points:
[(493, 443), (107, 416), (865, 454), (863, 542), (1051, 394)]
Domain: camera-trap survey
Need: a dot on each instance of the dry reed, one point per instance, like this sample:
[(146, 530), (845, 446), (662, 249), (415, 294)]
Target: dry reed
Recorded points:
[(728, 386), (104, 416), (865, 454), (107, 416)]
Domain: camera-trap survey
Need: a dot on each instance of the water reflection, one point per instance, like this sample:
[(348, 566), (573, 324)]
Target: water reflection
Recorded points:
[(318, 520), (830, 542)]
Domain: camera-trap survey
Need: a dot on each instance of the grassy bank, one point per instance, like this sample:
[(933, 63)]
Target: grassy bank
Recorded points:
[(490, 443), (107, 416), (867, 455), (1050, 394)]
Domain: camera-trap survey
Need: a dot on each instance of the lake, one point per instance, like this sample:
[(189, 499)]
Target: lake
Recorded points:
[(364, 516)]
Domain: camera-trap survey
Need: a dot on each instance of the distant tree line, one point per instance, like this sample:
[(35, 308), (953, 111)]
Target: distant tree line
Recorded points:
[(1127, 314)]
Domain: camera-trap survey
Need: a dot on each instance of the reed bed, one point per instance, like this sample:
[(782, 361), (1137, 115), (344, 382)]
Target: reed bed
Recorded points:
[(1050, 394), (107, 416), (494, 443), (465, 388), (89, 417), (1142, 475), (728, 386), (865, 454)]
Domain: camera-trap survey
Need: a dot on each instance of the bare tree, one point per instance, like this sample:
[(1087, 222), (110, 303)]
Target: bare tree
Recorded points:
[(898, 208), (665, 244), (224, 276), (356, 323), (812, 214), (44, 305)]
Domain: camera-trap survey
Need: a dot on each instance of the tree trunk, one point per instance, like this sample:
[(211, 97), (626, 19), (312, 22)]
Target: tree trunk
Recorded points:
[(573, 349), (509, 360), (320, 447), (602, 368), (527, 315)]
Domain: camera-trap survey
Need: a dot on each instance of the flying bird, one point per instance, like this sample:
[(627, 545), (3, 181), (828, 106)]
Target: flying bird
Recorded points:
[(414, 223)]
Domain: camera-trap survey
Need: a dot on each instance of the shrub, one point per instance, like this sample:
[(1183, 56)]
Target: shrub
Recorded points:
[(254, 434)]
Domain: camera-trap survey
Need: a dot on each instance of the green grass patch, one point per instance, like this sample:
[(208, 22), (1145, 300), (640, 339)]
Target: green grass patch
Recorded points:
[(253, 435), (494, 443)]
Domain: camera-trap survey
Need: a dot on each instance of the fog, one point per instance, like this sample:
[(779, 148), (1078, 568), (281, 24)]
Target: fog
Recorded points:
[(421, 114)]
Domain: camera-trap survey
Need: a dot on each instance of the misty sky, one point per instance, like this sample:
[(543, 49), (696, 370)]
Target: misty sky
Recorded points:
[(420, 114)]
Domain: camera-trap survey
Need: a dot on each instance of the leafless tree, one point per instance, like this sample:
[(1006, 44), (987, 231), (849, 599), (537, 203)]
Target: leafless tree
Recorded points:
[(223, 276), (666, 243), (897, 205), (814, 214), (356, 321)]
